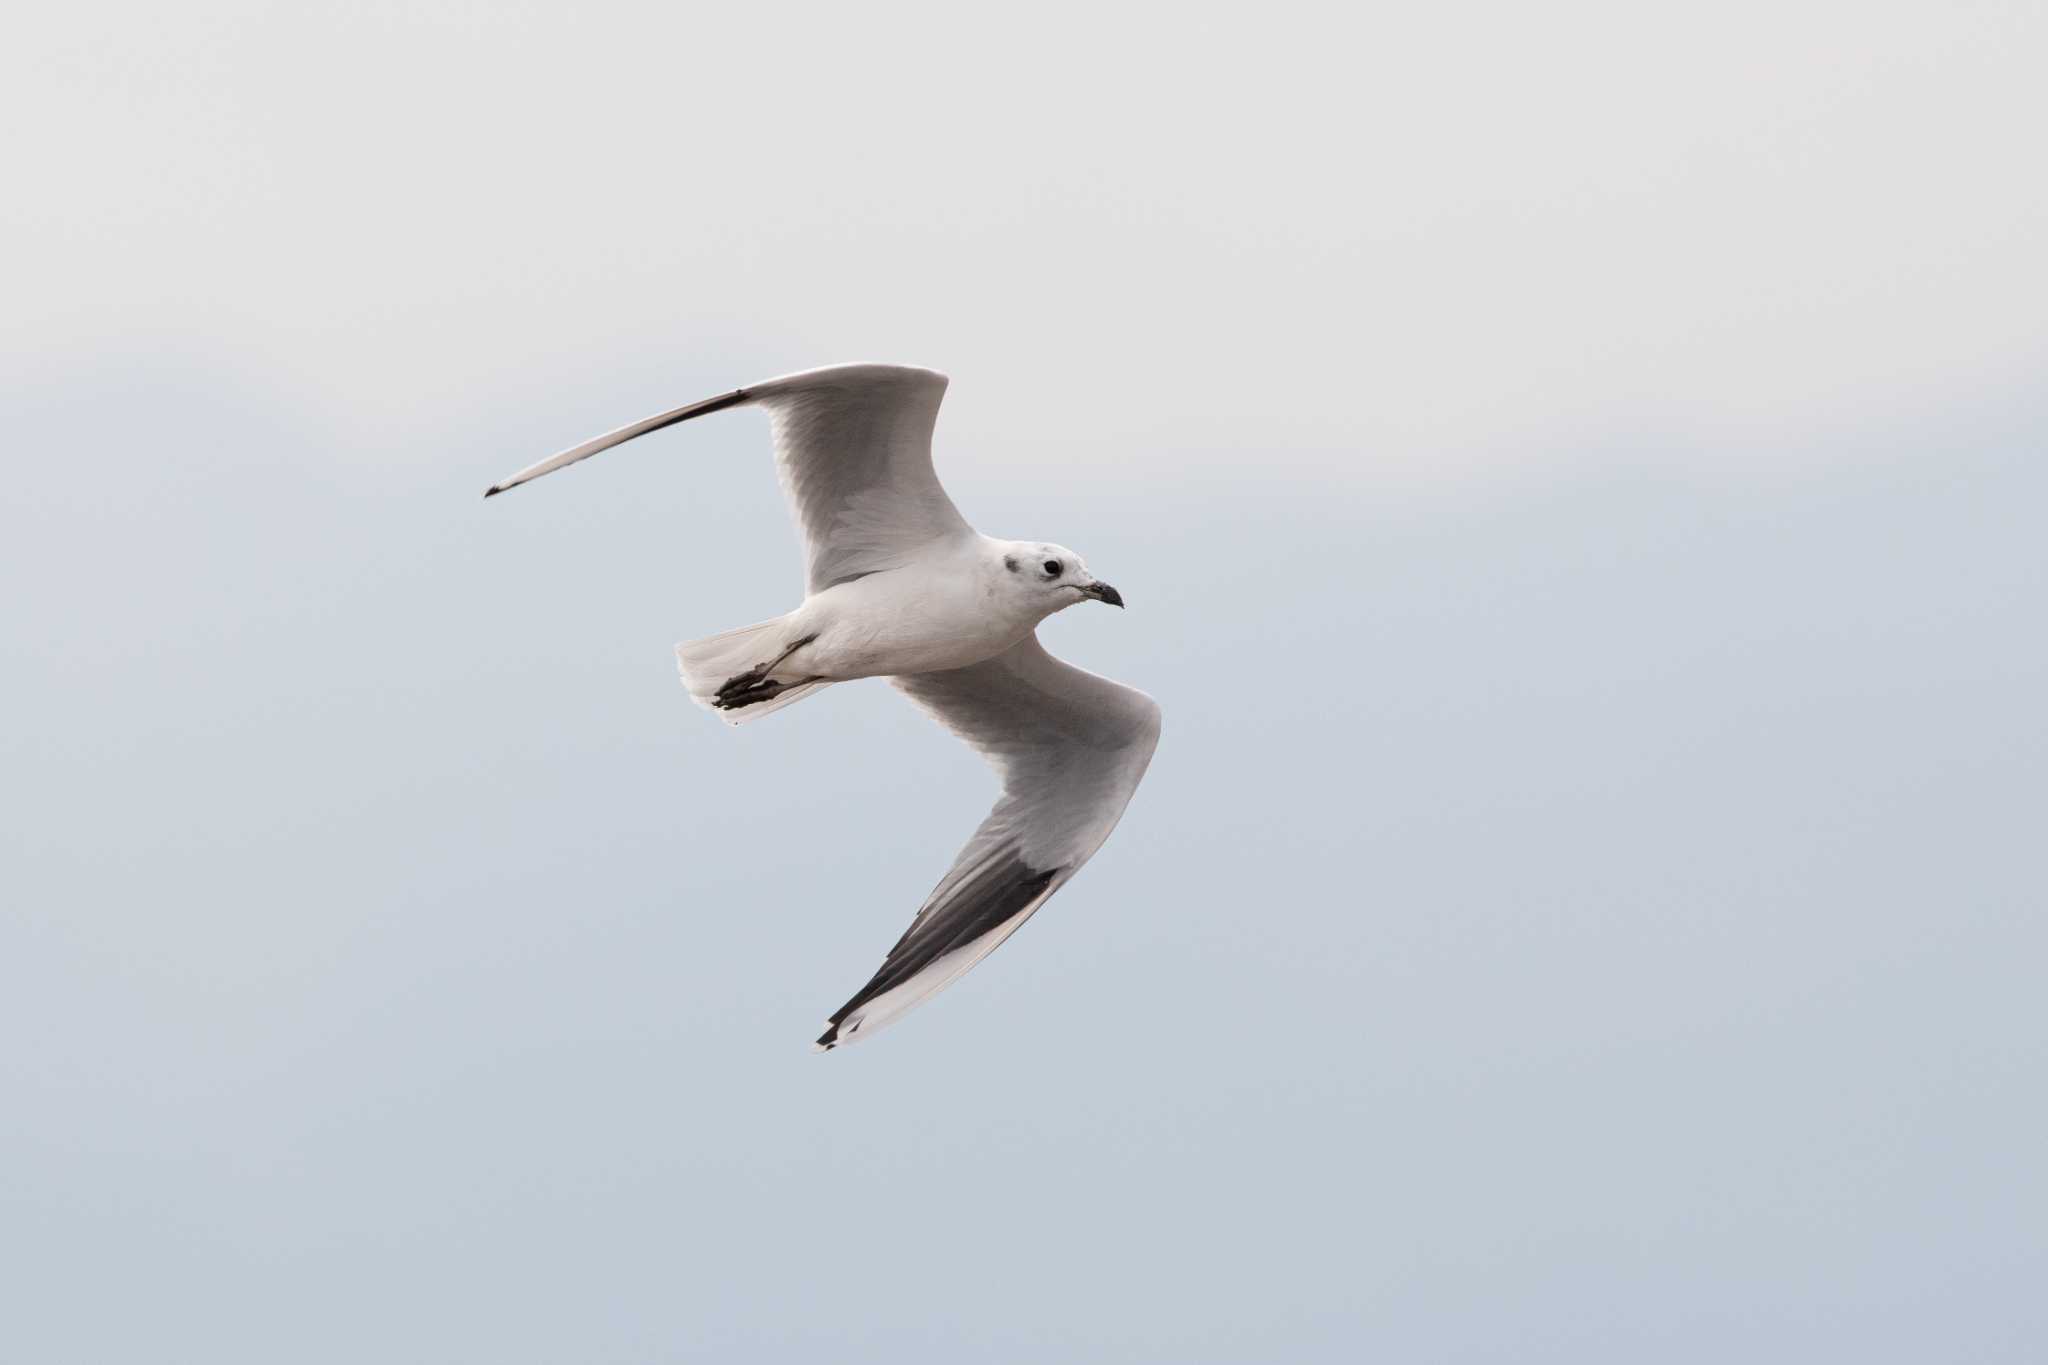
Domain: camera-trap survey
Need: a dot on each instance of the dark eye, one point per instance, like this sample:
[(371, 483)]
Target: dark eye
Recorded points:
[(1052, 568)]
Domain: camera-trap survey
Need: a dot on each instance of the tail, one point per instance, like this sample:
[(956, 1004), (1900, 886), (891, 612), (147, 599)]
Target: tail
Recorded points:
[(739, 673)]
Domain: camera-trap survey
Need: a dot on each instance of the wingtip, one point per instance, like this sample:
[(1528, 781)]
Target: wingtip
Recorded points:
[(494, 490), (835, 1035)]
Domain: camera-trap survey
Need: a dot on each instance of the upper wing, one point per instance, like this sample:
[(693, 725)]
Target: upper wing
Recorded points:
[(854, 446), (1071, 747)]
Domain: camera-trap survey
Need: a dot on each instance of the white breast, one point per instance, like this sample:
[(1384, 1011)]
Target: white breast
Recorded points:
[(939, 614)]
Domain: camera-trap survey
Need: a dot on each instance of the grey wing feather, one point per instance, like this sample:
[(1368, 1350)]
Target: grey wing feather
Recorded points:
[(1071, 748), (854, 447)]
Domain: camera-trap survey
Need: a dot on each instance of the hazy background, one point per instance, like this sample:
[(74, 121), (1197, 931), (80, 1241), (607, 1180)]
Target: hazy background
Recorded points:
[(1578, 475)]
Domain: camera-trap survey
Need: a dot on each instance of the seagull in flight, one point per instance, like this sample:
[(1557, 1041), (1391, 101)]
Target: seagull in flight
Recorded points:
[(901, 587)]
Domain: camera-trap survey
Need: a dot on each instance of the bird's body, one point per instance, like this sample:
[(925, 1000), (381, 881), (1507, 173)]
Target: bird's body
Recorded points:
[(900, 586), (943, 610), (953, 605)]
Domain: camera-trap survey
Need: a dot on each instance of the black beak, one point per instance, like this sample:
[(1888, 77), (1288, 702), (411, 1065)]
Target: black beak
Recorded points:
[(1102, 592)]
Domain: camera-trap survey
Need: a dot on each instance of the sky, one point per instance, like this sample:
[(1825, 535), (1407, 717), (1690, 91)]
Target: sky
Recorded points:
[(1576, 476)]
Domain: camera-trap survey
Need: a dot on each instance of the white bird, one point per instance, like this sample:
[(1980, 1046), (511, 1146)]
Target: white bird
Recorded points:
[(900, 586)]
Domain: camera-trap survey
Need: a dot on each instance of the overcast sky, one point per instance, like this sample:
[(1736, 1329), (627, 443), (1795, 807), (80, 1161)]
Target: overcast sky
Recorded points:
[(1577, 475)]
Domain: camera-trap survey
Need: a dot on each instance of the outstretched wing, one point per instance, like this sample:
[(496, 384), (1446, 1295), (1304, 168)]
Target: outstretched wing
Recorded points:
[(854, 446), (1071, 748)]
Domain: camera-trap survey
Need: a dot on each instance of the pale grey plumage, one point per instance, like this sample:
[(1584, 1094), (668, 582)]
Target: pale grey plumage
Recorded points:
[(899, 585), (1070, 748), (853, 447)]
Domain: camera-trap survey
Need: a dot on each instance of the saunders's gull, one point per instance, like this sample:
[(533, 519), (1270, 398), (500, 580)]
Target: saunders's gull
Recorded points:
[(900, 586)]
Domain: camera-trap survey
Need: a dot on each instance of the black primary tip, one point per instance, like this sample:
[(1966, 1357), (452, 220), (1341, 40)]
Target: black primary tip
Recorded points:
[(494, 490)]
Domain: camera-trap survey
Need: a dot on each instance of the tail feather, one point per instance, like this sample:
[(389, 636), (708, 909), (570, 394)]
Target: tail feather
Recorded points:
[(710, 664)]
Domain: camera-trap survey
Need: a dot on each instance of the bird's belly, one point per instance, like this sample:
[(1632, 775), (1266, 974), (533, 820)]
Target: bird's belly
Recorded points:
[(907, 647), (885, 630)]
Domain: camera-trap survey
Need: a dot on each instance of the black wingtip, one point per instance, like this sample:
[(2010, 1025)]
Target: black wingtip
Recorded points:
[(832, 1036), (494, 490)]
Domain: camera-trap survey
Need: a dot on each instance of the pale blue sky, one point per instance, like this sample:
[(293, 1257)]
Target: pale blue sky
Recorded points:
[(1578, 488)]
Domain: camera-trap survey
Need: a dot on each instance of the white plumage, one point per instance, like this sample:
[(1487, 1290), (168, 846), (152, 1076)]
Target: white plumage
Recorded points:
[(900, 586)]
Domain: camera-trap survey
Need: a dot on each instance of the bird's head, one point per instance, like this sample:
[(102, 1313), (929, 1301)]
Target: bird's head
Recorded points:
[(1051, 578)]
